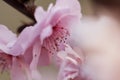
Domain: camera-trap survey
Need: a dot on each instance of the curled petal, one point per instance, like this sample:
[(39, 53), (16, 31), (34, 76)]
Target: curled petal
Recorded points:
[(21, 45), (50, 7), (39, 14), (70, 66), (69, 70), (70, 8), (73, 5), (6, 35), (46, 33)]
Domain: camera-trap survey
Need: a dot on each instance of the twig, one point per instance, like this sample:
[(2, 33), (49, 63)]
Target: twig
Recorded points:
[(21, 8)]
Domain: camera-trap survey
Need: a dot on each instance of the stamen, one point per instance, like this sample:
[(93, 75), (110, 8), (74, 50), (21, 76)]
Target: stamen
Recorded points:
[(56, 40)]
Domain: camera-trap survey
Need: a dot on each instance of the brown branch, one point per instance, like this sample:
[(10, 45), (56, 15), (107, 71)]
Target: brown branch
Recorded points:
[(21, 7)]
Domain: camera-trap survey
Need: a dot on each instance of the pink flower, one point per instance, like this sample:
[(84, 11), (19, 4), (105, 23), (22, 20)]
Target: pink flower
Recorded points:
[(56, 24), (43, 40), (8, 61), (51, 29)]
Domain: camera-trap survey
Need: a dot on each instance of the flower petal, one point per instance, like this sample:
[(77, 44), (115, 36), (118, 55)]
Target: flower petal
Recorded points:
[(36, 54), (39, 14), (68, 70), (33, 66), (44, 58), (28, 55), (70, 66), (73, 5), (4, 49), (46, 33), (70, 8), (16, 71), (24, 41), (6, 35), (50, 7)]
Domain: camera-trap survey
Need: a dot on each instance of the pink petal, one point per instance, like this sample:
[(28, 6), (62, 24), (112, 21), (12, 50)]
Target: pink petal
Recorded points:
[(6, 38), (70, 8), (4, 49), (24, 41), (6, 35), (68, 70), (17, 72), (70, 66), (44, 58), (39, 14), (73, 5), (33, 66), (50, 7), (36, 54), (23, 71), (28, 55), (46, 33)]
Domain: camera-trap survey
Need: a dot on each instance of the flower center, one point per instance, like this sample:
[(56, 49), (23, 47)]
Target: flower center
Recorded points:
[(56, 41)]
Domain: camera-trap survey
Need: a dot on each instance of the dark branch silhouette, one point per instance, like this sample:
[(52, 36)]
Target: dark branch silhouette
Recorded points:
[(26, 7)]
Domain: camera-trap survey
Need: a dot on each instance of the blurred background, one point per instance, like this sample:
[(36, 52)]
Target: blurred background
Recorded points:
[(13, 19)]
